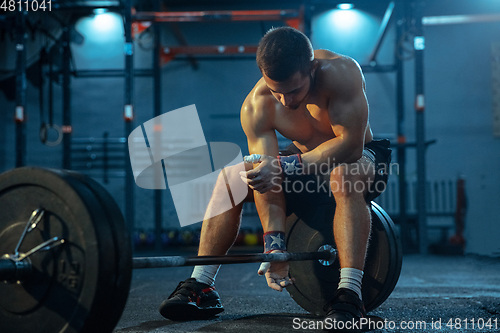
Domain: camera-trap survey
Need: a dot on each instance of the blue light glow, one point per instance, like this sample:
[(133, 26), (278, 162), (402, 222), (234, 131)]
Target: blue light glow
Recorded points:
[(345, 6), (346, 21), (104, 26), (351, 32), (106, 23), (99, 11), (103, 41)]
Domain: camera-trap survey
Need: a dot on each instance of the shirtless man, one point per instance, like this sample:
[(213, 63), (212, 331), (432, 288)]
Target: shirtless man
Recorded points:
[(316, 99)]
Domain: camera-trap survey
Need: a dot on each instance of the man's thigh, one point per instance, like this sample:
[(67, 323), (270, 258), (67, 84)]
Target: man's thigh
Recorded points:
[(357, 176)]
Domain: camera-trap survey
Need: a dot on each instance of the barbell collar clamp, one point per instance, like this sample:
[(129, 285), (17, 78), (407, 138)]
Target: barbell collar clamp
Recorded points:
[(33, 224), (17, 267), (35, 218), (14, 270), (45, 246)]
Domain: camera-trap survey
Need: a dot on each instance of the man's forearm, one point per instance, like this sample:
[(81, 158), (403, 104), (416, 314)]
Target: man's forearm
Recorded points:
[(272, 210)]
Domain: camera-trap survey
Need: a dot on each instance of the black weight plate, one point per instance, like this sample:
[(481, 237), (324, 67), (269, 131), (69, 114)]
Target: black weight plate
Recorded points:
[(70, 283), (123, 246), (315, 284), (389, 232)]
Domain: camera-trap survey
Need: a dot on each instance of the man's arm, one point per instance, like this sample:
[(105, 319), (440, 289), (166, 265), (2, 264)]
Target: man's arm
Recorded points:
[(257, 121), (257, 118), (348, 111), (258, 127)]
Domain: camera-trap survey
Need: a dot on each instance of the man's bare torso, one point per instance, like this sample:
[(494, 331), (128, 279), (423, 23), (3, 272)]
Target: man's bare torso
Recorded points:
[(311, 123)]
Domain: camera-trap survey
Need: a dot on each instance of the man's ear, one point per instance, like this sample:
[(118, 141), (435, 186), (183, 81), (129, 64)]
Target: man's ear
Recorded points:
[(314, 66)]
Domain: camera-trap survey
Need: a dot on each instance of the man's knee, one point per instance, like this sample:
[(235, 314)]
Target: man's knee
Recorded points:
[(229, 180)]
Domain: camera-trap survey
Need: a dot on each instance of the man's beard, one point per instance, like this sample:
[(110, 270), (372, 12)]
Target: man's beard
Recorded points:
[(296, 106)]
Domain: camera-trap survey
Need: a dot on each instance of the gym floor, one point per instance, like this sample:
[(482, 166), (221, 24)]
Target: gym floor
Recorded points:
[(431, 289)]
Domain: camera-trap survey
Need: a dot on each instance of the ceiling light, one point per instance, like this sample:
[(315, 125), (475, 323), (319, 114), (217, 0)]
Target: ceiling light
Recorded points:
[(345, 6)]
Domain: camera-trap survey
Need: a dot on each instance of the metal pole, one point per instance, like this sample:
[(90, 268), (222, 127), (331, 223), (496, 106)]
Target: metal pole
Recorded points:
[(51, 91), (128, 112), (105, 157), (419, 46), (382, 32), (307, 18), (222, 15), (175, 261), (460, 19), (401, 150), (66, 84), (20, 111), (158, 202)]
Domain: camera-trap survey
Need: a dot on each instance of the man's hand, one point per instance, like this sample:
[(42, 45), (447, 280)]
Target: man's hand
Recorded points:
[(265, 176), (276, 274)]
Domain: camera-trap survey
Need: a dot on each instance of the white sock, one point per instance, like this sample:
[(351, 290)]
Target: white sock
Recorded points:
[(205, 273), (351, 278)]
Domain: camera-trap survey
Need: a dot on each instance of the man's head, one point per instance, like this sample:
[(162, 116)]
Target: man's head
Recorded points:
[(285, 57)]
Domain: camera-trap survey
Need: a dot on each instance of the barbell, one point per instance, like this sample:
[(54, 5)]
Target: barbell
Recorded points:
[(66, 255)]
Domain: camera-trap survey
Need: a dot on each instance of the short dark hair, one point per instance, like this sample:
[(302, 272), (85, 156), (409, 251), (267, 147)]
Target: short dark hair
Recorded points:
[(284, 51)]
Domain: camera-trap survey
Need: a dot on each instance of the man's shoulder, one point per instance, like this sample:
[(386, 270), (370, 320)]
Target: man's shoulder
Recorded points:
[(258, 99), (326, 54), (257, 111), (338, 73), (330, 63)]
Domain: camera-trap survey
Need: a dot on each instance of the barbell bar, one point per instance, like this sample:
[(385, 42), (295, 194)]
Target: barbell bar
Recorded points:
[(11, 270), (175, 261)]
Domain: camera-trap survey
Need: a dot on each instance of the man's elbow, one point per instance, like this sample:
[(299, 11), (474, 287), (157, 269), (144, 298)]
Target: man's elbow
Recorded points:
[(356, 151)]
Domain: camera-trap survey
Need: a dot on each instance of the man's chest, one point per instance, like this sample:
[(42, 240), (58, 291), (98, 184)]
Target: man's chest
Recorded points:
[(309, 126)]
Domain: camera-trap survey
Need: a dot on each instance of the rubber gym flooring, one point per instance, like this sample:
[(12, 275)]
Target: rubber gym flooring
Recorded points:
[(434, 294)]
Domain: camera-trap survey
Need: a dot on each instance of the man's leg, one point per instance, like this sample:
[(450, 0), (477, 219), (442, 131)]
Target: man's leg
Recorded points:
[(352, 221), (218, 233), (196, 298), (351, 226)]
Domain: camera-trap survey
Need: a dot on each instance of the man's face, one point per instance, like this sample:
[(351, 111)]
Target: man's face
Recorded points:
[(291, 92)]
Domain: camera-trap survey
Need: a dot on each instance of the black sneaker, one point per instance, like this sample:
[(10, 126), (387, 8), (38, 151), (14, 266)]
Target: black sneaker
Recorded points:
[(344, 313), (191, 300)]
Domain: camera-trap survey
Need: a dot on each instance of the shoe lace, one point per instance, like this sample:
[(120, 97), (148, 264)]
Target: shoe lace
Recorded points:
[(176, 289), (327, 305), (340, 305), (183, 290)]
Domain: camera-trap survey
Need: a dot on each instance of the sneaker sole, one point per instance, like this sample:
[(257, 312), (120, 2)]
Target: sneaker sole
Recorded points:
[(186, 312)]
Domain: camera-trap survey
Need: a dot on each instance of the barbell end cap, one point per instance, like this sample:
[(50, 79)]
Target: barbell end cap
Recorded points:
[(333, 254)]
